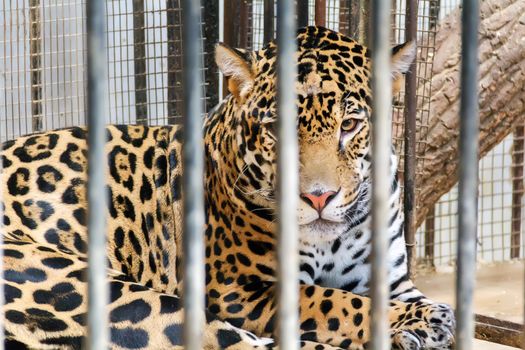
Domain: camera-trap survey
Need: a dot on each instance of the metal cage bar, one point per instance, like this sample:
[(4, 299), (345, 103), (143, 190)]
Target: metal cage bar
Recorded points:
[(268, 20), (517, 189), (2, 295), (468, 177), (193, 158), (302, 13), (288, 180), (381, 150), (409, 186), (97, 109), (320, 13)]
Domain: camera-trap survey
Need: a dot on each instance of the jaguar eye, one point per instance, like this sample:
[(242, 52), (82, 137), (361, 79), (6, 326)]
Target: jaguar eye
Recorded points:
[(349, 125)]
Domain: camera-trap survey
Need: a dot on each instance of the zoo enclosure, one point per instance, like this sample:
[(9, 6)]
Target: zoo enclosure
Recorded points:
[(42, 87), (43, 53)]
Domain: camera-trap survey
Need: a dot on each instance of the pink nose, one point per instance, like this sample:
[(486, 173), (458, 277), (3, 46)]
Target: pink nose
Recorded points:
[(318, 202)]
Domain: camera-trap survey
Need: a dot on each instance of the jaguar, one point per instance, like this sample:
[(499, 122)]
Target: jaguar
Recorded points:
[(45, 236)]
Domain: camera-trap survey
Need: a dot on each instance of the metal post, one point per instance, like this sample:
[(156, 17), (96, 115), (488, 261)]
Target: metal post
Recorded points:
[(344, 17), (35, 50), (302, 13), (243, 24), (211, 35), (139, 61), (349, 18), (430, 235), (193, 158), (320, 13), (2, 300), (517, 189), (268, 20), (381, 151), (288, 179), (468, 176), (229, 34), (364, 21), (173, 23), (409, 185), (97, 110)]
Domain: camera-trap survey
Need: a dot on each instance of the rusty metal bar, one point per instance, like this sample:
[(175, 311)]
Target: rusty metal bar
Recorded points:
[(499, 331), (344, 17), (430, 235), (349, 18), (211, 37), (364, 21), (287, 180), (243, 24), (409, 185), (2, 295), (229, 24), (320, 13), (174, 37), (35, 51), (193, 160), (468, 177), (302, 13), (139, 61), (97, 110), (229, 34), (517, 189), (268, 20), (381, 152)]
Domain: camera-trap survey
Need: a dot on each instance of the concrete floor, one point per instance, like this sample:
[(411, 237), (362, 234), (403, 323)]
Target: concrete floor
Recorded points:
[(499, 292)]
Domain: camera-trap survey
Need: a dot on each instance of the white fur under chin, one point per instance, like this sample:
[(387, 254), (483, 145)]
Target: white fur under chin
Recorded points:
[(321, 231)]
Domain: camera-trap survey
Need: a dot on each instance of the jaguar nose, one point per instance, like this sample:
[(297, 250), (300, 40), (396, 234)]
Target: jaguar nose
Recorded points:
[(317, 200)]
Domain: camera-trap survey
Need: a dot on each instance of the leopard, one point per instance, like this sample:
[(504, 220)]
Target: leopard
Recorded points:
[(44, 209)]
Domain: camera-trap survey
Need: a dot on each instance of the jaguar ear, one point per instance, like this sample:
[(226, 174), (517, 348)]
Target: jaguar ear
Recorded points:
[(236, 65), (402, 57)]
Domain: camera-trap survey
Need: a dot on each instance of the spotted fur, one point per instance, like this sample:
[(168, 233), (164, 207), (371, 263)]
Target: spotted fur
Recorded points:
[(44, 230)]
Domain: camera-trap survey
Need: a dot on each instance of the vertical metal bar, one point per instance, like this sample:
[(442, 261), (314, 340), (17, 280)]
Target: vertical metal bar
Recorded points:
[(229, 34), (381, 151), (193, 157), (434, 9), (268, 20), (2, 300), (97, 110), (320, 13), (344, 17), (517, 189), (364, 21), (211, 35), (468, 176), (221, 78), (430, 233), (35, 51), (229, 23), (409, 185), (288, 179), (243, 24), (354, 18), (173, 22), (139, 61), (302, 13)]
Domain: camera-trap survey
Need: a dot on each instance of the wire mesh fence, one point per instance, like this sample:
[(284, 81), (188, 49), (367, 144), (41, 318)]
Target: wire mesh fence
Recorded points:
[(500, 205), (500, 210), (42, 87), (43, 57)]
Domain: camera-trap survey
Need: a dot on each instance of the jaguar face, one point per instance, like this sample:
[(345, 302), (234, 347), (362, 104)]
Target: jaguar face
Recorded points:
[(333, 125)]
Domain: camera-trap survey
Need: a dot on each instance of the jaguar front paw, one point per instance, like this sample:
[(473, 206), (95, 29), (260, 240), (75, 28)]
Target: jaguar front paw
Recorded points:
[(424, 326)]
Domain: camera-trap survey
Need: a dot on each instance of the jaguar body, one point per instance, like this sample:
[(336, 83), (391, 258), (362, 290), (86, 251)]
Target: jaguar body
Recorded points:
[(44, 224)]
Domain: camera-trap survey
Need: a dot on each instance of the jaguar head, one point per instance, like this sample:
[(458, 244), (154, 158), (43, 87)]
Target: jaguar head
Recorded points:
[(333, 124)]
